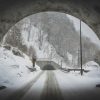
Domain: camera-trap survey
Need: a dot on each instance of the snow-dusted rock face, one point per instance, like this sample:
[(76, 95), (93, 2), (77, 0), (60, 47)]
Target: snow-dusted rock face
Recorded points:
[(41, 46), (13, 67), (35, 38)]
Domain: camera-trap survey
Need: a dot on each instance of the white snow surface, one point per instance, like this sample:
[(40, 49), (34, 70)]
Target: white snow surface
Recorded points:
[(73, 80), (74, 84), (14, 70), (94, 69)]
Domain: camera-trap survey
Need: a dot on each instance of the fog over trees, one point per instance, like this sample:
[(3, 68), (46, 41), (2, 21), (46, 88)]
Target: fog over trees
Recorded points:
[(56, 29)]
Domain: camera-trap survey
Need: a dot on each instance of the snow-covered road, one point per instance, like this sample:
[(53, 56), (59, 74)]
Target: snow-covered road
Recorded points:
[(57, 85)]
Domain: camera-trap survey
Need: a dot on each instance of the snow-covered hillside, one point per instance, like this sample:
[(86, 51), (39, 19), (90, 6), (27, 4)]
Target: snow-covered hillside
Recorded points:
[(15, 66), (42, 47)]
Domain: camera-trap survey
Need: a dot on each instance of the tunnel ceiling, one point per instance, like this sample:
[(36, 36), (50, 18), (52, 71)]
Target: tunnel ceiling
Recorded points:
[(12, 11)]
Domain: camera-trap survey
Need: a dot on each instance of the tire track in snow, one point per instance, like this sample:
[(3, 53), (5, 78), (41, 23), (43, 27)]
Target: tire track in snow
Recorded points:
[(17, 95), (51, 89)]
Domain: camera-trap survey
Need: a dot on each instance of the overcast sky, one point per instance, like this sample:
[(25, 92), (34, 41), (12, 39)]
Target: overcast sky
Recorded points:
[(86, 30)]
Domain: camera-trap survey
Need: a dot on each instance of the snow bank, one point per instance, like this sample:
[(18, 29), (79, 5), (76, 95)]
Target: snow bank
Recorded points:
[(14, 67), (94, 69)]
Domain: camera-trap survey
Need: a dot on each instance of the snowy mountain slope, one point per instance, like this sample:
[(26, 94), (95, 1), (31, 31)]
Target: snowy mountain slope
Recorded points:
[(43, 49)]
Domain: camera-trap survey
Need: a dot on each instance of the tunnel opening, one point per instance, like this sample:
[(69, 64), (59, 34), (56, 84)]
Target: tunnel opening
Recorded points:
[(48, 67)]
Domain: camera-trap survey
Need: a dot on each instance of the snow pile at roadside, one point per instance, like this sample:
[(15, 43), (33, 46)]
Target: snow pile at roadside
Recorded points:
[(94, 69), (14, 66), (91, 65)]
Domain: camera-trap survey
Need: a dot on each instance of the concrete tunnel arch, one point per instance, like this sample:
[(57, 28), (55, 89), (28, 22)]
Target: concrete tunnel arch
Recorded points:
[(12, 11)]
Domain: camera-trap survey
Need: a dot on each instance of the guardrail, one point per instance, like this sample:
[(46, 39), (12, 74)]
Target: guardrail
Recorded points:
[(68, 70)]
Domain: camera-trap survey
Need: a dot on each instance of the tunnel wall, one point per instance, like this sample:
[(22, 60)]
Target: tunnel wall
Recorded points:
[(12, 11)]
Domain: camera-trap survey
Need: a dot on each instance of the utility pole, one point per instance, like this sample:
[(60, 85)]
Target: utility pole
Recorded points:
[(81, 49), (78, 57)]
